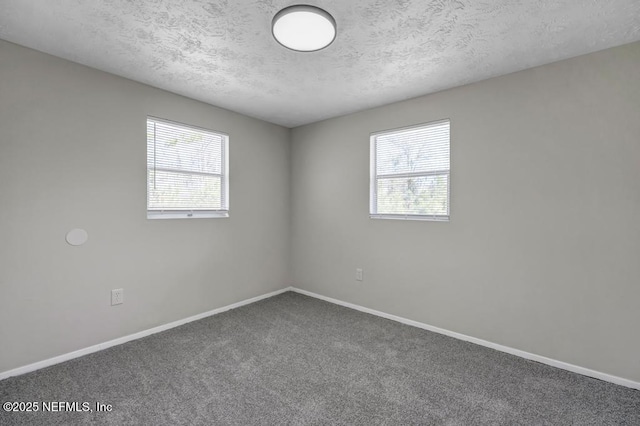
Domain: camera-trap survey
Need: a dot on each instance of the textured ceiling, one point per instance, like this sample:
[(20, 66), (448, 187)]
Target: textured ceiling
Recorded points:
[(221, 51)]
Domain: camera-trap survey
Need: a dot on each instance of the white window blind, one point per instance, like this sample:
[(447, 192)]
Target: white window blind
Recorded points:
[(187, 171), (410, 173)]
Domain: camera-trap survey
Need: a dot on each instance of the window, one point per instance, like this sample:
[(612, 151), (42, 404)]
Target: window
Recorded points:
[(187, 171), (410, 172)]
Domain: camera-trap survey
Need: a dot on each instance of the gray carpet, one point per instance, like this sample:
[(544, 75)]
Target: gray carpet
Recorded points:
[(292, 359)]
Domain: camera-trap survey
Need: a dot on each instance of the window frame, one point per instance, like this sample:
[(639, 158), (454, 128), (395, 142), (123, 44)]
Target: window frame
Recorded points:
[(224, 177), (374, 177)]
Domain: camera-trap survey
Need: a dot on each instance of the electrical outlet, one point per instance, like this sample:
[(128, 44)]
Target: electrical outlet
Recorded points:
[(359, 274), (117, 296)]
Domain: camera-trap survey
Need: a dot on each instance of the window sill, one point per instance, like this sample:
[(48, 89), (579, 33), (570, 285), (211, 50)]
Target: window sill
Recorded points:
[(410, 217), (176, 214)]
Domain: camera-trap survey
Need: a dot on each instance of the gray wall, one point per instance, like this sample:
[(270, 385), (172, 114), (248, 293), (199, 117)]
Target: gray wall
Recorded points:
[(73, 154), (542, 252)]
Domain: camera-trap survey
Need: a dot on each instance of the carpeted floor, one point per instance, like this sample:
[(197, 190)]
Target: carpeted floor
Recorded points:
[(293, 359)]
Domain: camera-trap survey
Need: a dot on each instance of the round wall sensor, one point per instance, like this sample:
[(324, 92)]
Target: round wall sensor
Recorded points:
[(77, 237)]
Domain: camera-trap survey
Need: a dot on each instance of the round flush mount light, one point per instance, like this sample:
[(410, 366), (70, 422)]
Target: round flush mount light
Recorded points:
[(304, 28)]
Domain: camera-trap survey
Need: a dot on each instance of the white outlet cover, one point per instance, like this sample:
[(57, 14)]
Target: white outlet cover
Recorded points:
[(117, 296), (77, 237)]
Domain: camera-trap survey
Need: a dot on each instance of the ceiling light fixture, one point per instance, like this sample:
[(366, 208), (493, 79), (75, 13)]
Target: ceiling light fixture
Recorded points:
[(304, 28)]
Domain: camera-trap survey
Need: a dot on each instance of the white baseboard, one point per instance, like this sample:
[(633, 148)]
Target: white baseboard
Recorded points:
[(100, 346), (527, 355)]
